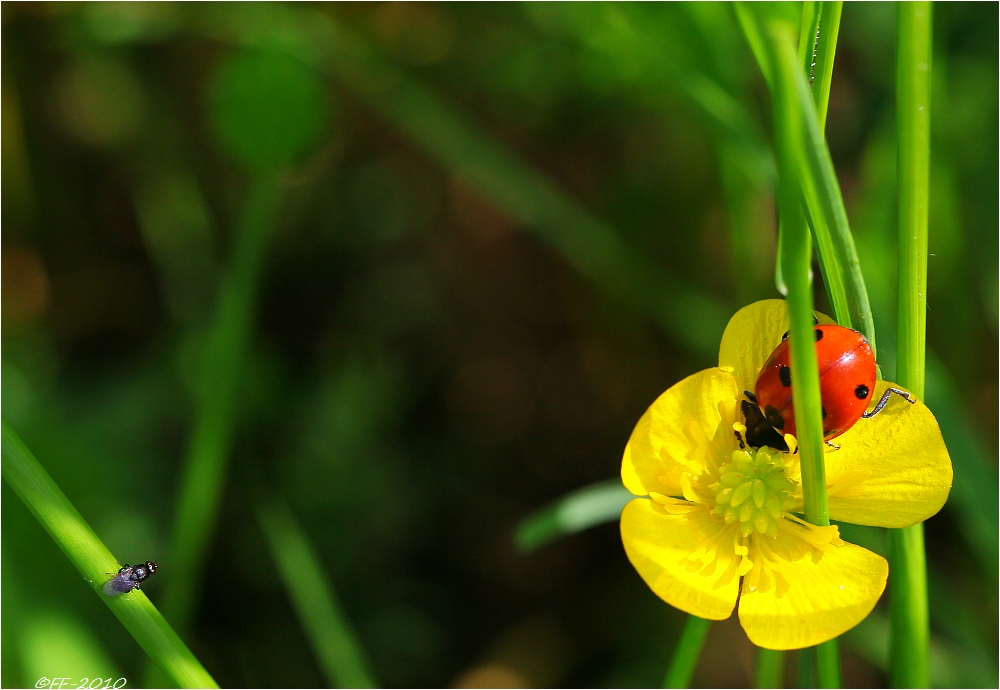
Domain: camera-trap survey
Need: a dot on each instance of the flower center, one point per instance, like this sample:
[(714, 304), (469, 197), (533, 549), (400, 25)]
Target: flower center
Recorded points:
[(753, 490)]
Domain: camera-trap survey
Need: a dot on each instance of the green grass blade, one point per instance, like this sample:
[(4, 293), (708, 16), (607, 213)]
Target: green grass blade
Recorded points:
[(752, 32), (313, 597), (828, 664), (951, 665), (825, 203), (796, 265), (94, 561), (592, 505), (826, 49), (218, 387), (686, 655), (826, 214), (770, 668), (909, 663), (789, 116)]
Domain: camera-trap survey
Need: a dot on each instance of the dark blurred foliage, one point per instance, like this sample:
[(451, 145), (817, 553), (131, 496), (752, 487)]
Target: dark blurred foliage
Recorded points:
[(426, 370)]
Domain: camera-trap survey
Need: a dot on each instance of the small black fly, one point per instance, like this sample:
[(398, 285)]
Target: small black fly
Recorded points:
[(129, 578)]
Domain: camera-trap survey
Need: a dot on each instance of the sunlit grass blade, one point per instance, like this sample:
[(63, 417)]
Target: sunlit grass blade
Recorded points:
[(592, 505), (92, 558), (788, 81), (825, 203), (685, 657), (909, 666), (826, 49), (313, 596)]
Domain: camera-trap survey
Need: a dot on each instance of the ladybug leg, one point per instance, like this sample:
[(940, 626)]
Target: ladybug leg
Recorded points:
[(832, 445), (751, 397), (885, 398), (739, 438)]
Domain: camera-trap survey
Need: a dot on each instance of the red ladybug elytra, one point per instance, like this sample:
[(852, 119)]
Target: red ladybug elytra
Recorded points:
[(846, 379)]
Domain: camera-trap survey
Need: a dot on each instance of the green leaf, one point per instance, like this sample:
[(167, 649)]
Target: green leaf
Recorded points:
[(592, 505)]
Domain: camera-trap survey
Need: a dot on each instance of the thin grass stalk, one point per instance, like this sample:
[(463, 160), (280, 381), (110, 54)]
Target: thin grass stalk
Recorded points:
[(685, 658), (826, 50), (770, 671), (796, 259), (807, 668), (909, 639), (220, 373), (829, 262), (825, 203), (313, 596), (94, 561)]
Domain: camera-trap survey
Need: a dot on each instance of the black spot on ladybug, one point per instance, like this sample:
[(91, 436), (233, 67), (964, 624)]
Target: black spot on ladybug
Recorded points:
[(823, 410), (785, 336), (774, 417), (861, 391), (785, 376), (819, 335)]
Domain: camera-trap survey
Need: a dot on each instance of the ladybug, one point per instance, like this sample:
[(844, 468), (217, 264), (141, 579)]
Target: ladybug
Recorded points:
[(846, 380)]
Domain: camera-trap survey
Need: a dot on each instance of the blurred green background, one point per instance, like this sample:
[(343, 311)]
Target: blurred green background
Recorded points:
[(462, 247)]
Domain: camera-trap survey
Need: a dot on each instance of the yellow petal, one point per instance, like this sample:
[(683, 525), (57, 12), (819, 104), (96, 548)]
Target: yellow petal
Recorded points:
[(813, 599), (893, 470), (688, 560), (671, 436), (750, 338)]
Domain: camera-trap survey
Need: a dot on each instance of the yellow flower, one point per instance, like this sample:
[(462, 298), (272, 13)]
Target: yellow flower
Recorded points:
[(714, 512)]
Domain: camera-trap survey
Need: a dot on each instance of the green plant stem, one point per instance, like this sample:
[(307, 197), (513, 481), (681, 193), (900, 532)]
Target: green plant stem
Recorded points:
[(770, 671), (219, 375), (313, 596), (909, 665), (807, 667), (95, 562), (685, 657), (789, 114), (828, 664), (796, 260)]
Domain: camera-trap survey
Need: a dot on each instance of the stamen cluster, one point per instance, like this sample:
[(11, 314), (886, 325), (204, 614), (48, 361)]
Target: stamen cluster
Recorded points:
[(754, 490)]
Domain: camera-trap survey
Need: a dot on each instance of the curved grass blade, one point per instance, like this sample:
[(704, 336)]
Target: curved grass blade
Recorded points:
[(220, 374), (92, 558), (592, 505), (686, 655), (313, 597)]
